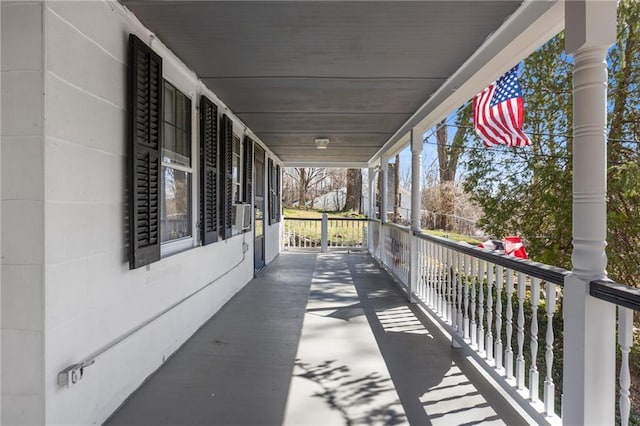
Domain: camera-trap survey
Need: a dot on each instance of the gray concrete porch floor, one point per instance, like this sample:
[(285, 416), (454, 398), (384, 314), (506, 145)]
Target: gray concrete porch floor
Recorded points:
[(317, 339)]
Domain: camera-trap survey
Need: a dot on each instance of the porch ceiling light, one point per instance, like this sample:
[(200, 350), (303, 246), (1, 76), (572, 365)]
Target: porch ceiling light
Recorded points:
[(322, 143)]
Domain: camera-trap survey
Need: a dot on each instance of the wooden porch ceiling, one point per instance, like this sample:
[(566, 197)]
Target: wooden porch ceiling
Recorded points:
[(353, 71)]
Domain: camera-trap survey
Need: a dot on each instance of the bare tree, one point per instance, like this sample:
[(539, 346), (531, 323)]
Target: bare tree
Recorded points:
[(353, 200), (448, 157), (303, 179)]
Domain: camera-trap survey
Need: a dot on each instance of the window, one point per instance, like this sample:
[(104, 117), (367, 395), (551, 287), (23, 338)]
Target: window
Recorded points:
[(273, 172), (177, 168), (161, 169), (237, 173)]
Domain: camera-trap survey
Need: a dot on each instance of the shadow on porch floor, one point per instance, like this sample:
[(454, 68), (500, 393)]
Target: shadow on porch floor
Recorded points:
[(324, 339)]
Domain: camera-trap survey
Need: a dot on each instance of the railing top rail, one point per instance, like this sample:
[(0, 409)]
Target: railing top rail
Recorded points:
[(395, 225), (373, 219), (616, 293), (347, 219), (547, 273)]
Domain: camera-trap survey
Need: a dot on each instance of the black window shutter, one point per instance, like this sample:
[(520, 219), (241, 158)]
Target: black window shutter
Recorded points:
[(226, 191), (145, 139), (278, 194), (208, 171), (270, 186)]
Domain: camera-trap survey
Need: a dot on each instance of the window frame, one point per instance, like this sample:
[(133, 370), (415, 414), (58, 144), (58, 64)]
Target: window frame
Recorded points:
[(170, 247), (237, 181)]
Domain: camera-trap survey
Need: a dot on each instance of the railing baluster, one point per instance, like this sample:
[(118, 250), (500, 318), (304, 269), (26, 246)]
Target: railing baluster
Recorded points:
[(407, 256), (467, 265), (427, 262), (549, 387), (451, 309), (425, 271), (481, 337), (434, 283), (459, 306), (489, 341), (434, 278), (294, 231), (474, 324), (443, 283), (498, 345), (439, 281), (508, 353), (625, 340), (520, 365), (422, 257), (533, 370), (287, 225)]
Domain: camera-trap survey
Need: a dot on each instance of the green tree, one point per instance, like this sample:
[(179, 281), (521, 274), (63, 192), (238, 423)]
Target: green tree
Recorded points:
[(529, 191), (622, 150)]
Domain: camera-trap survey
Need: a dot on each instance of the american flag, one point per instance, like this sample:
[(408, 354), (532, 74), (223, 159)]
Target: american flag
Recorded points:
[(498, 112)]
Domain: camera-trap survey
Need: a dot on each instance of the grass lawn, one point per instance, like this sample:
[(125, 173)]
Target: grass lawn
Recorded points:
[(317, 214), (453, 236)]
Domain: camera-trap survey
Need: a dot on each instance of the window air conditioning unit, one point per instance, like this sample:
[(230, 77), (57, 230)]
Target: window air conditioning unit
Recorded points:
[(242, 216)]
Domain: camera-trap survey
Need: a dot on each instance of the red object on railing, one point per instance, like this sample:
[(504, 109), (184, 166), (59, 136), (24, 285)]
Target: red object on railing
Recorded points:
[(513, 246)]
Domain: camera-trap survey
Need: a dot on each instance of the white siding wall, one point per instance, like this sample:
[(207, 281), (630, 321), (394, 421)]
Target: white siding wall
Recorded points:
[(22, 214), (64, 184), (0, 214)]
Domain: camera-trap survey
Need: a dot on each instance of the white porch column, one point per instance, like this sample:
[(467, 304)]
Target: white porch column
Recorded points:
[(416, 167), (372, 192), (589, 334), (371, 207), (384, 170)]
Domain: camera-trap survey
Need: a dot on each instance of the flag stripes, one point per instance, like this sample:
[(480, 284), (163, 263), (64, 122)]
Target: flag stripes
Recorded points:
[(498, 113)]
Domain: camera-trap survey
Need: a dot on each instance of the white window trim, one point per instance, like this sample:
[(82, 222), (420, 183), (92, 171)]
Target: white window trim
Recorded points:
[(176, 246), (169, 248), (238, 183)]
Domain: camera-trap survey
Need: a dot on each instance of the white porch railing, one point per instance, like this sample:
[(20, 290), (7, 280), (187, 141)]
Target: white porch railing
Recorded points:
[(505, 309), (627, 299), (502, 308), (337, 233), (302, 233), (396, 253)]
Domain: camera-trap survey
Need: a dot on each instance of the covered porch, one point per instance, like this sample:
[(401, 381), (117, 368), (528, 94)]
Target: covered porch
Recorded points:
[(321, 338), (172, 207)]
